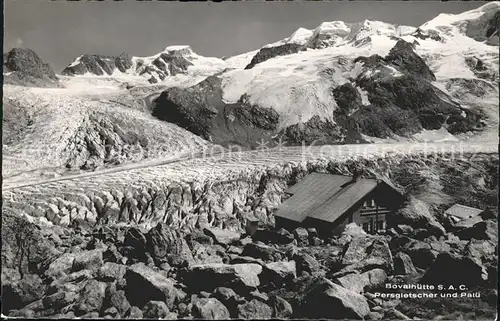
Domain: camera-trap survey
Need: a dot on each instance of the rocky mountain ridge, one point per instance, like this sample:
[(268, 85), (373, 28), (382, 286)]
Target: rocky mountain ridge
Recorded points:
[(25, 67), (172, 61)]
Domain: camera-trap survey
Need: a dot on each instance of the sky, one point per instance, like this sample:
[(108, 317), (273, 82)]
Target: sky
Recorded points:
[(60, 31)]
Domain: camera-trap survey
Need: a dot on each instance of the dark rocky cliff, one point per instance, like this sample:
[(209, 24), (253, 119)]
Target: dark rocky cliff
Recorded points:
[(24, 67)]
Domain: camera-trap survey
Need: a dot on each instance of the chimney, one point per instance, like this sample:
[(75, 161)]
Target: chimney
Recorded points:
[(356, 175)]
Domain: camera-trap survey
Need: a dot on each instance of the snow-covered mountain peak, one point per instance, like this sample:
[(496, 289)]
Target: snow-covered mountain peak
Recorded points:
[(300, 35), (172, 61), (179, 50), (332, 27), (481, 24), (338, 33)]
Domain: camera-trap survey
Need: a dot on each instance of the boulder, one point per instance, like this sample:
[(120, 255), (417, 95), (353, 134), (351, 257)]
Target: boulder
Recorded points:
[(90, 315), (439, 246), (306, 263), (87, 260), (261, 251), (237, 259), (325, 299), (134, 244), (207, 277), (391, 232), (316, 241), (203, 254), (302, 236), (91, 298), (486, 230), (209, 309), (23, 313), (73, 282), (254, 310), (200, 237), (393, 314), (365, 251), (464, 271), (155, 310), (279, 272), (263, 235), (226, 295), (281, 308), (111, 271), (284, 237), (415, 213), (182, 259), (229, 298), (163, 242), (481, 250), (183, 310), (403, 264), (145, 284), (59, 300), (60, 266), (312, 232), (222, 236), (24, 247), (465, 223), (234, 250), (398, 243), (374, 316), (135, 238), (360, 283), (20, 293), (118, 300), (291, 250), (10, 275), (112, 254), (421, 253), (111, 313), (435, 228), (256, 294), (404, 229), (135, 313), (353, 230)]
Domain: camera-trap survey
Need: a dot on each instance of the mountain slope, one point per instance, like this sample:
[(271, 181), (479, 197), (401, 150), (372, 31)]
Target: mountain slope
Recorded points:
[(297, 79), (25, 67), (481, 24)]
